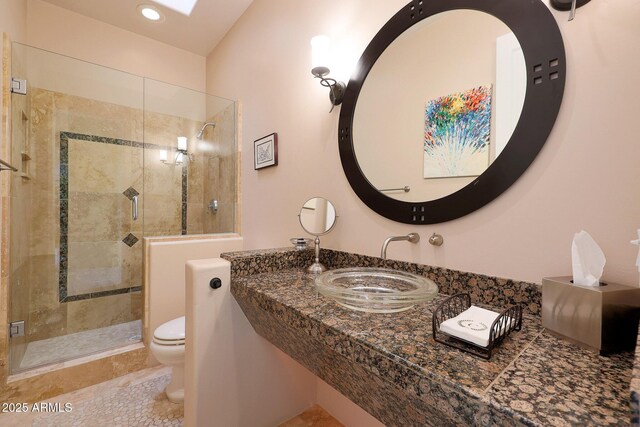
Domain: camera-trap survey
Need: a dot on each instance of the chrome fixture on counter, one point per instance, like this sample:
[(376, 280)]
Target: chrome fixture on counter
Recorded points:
[(301, 243), (317, 217), (411, 237), (436, 239)]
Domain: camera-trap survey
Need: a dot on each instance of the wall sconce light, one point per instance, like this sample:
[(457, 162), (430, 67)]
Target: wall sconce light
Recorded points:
[(182, 143), (570, 5), (181, 153), (320, 69)]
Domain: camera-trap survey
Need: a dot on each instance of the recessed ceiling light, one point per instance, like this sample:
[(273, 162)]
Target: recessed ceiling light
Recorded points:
[(185, 7), (151, 13)]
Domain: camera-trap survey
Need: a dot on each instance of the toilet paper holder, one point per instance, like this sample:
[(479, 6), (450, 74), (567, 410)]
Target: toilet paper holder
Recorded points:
[(215, 283)]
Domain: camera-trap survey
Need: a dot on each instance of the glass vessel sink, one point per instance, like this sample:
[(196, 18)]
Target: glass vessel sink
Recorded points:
[(375, 290)]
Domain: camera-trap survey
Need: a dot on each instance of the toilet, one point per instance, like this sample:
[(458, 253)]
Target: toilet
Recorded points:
[(168, 347)]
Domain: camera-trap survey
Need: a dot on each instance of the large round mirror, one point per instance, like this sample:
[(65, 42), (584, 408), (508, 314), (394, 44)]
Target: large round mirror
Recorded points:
[(452, 100), (450, 103), (317, 216)]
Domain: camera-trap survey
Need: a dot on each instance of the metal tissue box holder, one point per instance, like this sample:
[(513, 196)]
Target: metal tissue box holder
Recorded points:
[(510, 319), (600, 318)]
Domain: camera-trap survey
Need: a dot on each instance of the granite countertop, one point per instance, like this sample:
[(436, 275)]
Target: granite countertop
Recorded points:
[(533, 378)]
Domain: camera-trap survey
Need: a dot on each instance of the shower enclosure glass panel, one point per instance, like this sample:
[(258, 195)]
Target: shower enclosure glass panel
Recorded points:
[(190, 161), (76, 208)]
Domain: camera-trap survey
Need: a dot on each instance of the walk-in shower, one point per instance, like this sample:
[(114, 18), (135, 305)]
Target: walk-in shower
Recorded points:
[(104, 159)]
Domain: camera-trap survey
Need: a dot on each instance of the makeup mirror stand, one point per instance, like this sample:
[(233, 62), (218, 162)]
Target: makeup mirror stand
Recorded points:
[(317, 267), (317, 217)]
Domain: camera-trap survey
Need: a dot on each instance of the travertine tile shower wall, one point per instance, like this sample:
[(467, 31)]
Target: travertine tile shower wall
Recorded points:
[(92, 229), (212, 176), (98, 215)]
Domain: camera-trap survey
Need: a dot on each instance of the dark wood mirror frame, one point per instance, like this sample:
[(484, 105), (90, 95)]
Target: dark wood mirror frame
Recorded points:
[(539, 36)]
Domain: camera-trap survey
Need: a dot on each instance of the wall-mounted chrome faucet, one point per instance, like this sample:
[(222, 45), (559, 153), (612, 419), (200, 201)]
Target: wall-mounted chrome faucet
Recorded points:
[(411, 237)]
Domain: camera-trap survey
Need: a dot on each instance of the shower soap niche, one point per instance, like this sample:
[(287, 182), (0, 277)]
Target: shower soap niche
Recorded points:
[(25, 165)]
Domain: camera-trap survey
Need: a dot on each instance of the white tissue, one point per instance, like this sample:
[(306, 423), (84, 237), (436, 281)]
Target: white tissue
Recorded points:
[(587, 260), (637, 243)]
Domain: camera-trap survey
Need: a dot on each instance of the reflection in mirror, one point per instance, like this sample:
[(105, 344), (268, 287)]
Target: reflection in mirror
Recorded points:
[(439, 106), (317, 217)]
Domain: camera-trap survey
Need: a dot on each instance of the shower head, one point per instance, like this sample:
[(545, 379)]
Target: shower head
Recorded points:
[(199, 136)]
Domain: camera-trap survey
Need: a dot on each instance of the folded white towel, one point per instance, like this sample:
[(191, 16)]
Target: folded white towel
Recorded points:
[(473, 325)]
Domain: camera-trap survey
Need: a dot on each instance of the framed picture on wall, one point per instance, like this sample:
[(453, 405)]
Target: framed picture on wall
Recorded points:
[(457, 134), (265, 151)]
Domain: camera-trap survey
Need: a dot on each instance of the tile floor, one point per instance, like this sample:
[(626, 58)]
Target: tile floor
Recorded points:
[(136, 399), (313, 417), (72, 346), (133, 400)]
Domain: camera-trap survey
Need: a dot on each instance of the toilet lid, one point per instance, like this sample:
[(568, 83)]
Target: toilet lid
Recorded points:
[(173, 330)]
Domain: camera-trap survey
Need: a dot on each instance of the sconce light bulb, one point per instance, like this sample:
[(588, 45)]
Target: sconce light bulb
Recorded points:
[(164, 155), (182, 143), (320, 55)]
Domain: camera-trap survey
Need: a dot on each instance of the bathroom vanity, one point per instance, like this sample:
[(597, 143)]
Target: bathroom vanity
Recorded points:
[(390, 365)]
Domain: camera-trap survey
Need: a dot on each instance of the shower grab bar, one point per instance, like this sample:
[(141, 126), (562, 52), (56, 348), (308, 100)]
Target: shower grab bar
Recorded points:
[(134, 207)]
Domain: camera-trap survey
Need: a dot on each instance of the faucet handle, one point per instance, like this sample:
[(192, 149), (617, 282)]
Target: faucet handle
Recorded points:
[(436, 239)]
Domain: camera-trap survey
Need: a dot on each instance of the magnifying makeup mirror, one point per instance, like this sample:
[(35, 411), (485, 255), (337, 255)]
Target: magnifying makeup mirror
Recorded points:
[(317, 217)]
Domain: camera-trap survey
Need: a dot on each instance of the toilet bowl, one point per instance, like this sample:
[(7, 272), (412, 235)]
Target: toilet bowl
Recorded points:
[(168, 347)]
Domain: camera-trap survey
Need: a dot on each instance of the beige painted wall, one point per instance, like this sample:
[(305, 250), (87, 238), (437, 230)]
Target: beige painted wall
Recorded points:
[(13, 19), (586, 176), (341, 408), (59, 30)]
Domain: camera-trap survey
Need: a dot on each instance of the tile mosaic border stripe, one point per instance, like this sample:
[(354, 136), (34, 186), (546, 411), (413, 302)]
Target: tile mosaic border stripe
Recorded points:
[(184, 198), (64, 210), (108, 293)]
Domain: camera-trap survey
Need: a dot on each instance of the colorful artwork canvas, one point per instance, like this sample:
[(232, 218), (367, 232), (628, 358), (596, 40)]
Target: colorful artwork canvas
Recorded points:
[(457, 132)]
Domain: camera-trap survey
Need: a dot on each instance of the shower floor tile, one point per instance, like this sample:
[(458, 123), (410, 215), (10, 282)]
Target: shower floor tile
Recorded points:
[(67, 347)]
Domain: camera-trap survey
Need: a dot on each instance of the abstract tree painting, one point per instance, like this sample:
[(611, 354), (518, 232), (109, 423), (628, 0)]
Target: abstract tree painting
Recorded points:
[(457, 133)]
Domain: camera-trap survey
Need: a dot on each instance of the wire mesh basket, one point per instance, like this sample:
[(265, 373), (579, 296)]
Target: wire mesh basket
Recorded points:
[(507, 321)]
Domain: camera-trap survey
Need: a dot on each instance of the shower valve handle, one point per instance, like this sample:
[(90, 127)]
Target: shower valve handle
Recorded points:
[(134, 207)]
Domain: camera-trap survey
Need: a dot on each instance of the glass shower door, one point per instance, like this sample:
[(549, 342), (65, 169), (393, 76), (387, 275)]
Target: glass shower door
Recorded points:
[(190, 161), (76, 208)]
